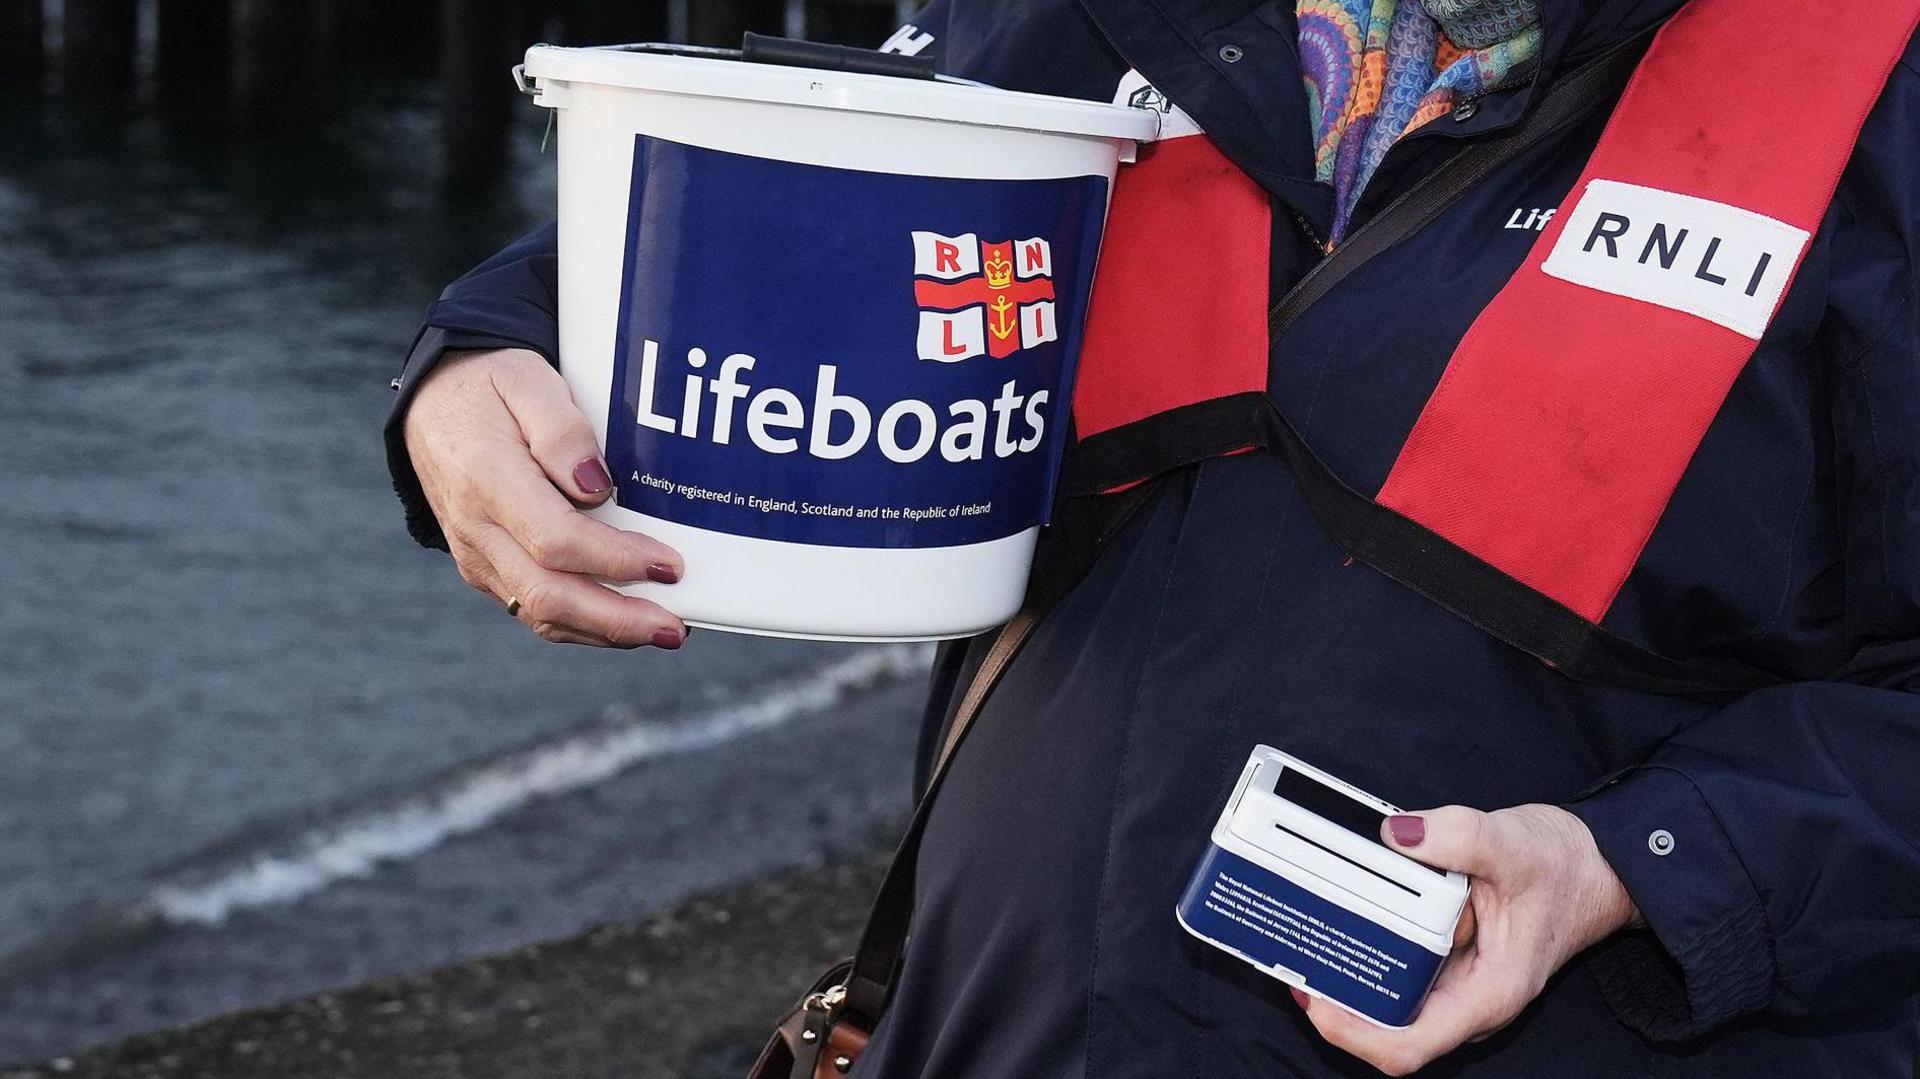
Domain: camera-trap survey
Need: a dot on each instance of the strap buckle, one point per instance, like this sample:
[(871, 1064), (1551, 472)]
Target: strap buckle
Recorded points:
[(827, 1000)]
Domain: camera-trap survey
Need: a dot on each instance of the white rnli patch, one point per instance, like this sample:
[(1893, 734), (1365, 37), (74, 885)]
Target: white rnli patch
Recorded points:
[(1719, 262)]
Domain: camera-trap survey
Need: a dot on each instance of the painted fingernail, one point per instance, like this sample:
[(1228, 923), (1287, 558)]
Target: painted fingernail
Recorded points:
[(592, 476), (661, 573), (668, 638), (1299, 997), (1408, 831)]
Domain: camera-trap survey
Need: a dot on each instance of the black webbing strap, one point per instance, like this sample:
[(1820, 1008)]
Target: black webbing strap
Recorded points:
[(1448, 574), (1502, 606)]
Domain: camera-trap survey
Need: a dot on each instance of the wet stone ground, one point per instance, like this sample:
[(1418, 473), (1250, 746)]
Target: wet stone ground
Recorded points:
[(688, 993)]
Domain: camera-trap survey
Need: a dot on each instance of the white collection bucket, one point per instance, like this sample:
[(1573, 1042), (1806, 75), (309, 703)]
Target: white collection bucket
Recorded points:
[(825, 325)]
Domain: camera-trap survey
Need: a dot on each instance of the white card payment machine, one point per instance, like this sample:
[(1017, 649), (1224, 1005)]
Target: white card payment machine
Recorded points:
[(1298, 882)]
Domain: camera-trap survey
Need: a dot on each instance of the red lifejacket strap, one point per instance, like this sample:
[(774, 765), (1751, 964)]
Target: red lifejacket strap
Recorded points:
[(1564, 421), (1165, 329)]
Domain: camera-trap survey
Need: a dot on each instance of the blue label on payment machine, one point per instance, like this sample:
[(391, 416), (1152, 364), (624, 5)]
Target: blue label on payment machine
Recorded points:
[(1275, 922), (846, 358)]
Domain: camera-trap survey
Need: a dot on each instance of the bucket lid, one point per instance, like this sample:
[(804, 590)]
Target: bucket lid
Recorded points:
[(719, 73)]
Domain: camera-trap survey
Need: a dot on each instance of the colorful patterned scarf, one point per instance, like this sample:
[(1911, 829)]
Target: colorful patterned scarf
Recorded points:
[(1377, 69)]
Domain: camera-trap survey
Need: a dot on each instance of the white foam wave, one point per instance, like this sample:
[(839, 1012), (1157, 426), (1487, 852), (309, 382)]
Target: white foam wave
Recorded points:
[(469, 801)]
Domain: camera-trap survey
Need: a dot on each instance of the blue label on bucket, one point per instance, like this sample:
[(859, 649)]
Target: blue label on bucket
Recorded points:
[(845, 358), (1274, 922)]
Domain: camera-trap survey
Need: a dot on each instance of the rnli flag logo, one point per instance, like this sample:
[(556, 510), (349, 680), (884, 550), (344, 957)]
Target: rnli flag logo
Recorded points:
[(982, 299)]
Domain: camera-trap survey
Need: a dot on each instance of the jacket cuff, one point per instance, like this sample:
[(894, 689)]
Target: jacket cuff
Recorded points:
[(429, 346), (1707, 955)]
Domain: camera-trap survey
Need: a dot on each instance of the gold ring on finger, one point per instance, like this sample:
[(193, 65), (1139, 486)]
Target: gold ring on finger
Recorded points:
[(513, 605)]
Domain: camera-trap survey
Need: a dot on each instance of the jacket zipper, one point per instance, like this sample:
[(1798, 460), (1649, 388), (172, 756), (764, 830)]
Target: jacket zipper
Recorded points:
[(1462, 110), (1566, 101)]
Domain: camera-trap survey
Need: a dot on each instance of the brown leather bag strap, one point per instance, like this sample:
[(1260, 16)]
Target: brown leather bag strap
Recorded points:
[(1066, 553), (1006, 644)]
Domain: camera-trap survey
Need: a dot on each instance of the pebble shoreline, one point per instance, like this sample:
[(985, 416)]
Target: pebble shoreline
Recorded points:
[(688, 993)]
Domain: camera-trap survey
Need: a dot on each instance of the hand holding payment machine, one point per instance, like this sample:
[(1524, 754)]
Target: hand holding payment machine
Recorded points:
[(1298, 882)]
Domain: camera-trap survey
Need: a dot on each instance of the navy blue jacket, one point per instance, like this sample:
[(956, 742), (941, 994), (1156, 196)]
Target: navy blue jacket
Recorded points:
[(1784, 924)]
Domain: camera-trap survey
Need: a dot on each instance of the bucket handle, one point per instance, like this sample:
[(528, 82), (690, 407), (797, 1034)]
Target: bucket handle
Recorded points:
[(788, 52), (784, 52)]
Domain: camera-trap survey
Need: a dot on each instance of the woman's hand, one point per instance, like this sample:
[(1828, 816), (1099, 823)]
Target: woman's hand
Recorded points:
[(1541, 894), (506, 461)]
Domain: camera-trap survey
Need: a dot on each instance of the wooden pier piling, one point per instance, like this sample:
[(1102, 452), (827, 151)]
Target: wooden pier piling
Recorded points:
[(283, 60), (22, 55), (477, 98), (263, 63), (193, 59), (593, 22), (98, 38), (722, 24)]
